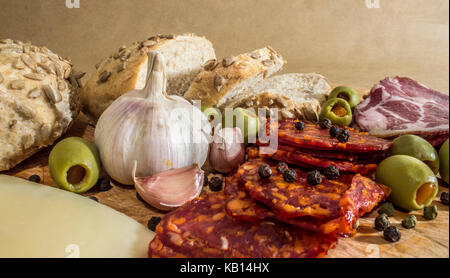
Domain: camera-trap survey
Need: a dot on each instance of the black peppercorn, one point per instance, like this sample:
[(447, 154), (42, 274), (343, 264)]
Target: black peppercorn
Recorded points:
[(215, 184), (104, 184), (282, 167), (334, 131), (325, 124), (430, 212), (409, 222), (387, 208), (299, 125), (343, 136), (444, 198), (392, 234), (314, 177), (153, 222), (331, 172), (93, 198), (290, 175), (35, 178), (382, 222), (264, 171)]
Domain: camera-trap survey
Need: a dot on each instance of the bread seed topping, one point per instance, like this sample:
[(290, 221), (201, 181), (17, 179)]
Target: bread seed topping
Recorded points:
[(210, 65), (227, 62), (53, 95), (218, 82), (104, 76), (17, 85), (35, 76)]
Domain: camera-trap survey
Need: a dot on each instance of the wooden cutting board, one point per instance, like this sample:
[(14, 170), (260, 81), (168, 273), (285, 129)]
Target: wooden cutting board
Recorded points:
[(428, 239)]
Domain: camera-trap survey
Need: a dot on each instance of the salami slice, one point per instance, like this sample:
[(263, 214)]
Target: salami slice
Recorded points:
[(436, 140), (362, 197), (157, 249), (362, 158), (299, 198), (307, 161), (316, 153), (202, 229), (241, 206), (313, 137)]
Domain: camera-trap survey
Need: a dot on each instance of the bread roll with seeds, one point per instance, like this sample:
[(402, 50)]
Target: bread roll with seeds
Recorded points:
[(294, 95), (126, 69), (39, 99), (223, 81)]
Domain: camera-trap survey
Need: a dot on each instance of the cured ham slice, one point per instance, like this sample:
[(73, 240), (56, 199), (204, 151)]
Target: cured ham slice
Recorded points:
[(400, 105), (202, 229)]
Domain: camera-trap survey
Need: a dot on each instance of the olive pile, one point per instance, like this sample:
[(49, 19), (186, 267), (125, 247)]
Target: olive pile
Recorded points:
[(411, 171), (338, 108)]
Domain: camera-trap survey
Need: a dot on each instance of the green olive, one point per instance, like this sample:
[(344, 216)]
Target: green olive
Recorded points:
[(244, 119), (412, 182), (75, 164), (443, 154), (419, 148), (338, 111), (346, 93), (213, 115)]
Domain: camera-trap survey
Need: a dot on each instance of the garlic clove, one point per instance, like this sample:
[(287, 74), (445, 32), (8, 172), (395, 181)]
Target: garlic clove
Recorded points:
[(170, 189), (227, 150)]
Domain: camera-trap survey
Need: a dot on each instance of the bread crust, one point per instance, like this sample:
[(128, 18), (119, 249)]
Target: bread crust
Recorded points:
[(264, 62), (125, 68), (39, 99)]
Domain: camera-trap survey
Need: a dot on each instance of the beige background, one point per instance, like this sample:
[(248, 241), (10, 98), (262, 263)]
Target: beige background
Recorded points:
[(342, 39)]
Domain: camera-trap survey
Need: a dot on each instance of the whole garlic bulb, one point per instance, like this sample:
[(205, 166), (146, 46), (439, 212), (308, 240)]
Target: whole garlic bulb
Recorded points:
[(160, 132)]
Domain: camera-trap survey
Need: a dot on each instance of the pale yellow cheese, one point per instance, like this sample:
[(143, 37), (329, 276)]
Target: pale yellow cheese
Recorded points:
[(40, 221)]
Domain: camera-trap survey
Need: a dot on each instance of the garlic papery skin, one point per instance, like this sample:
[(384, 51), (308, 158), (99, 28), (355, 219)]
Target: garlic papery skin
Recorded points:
[(159, 131), (171, 189), (227, 150)]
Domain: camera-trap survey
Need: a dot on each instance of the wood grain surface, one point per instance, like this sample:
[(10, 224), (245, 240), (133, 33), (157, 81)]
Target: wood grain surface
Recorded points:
[(428, 239)]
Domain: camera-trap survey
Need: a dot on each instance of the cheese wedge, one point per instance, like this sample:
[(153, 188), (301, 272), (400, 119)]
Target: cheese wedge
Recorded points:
[(41, 221)]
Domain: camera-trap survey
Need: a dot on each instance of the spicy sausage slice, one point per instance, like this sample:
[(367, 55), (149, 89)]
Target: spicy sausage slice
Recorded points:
[(202, 229), (314, 137)]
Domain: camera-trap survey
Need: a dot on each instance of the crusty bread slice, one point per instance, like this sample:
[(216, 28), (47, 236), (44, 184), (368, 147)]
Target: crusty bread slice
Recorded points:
[(126, 69), (295, 95), (222, 82)]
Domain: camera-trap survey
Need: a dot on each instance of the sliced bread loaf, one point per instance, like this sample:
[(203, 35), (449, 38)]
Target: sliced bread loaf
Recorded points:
[(295, 95), (126, 69), (222, 82)]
